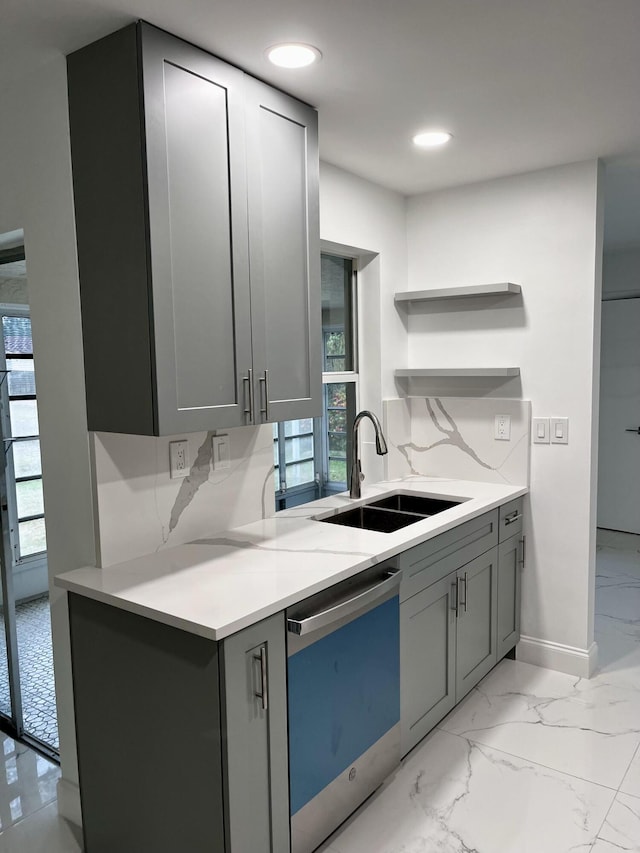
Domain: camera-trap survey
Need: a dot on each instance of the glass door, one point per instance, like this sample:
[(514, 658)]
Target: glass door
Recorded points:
[(27, 690)]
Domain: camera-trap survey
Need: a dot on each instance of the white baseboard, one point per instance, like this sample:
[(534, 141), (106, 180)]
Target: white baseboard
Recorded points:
[(69, 801), (574, 661)]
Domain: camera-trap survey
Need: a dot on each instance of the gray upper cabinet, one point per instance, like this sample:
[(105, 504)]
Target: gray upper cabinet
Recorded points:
[(198, 241), (196, 180), (282, 141)]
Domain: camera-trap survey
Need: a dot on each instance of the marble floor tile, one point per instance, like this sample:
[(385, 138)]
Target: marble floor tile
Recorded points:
[(617, 622), (621, 828), (588, 728), (42, 832), (618, 649), (454, 795), (27, 781)]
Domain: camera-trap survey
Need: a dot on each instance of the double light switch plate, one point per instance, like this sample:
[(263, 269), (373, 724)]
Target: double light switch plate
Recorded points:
[(550, 430)]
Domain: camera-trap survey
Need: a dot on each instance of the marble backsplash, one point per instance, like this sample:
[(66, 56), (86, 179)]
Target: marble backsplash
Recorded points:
[(140, 509), (454, 437)]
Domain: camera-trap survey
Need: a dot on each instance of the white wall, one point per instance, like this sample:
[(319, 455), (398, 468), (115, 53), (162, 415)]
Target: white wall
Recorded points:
[(541, 230), (35, 194), (358, 215)]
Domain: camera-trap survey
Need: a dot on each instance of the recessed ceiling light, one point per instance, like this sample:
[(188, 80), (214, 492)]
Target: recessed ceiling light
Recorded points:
[(431, 138), (293, 55)]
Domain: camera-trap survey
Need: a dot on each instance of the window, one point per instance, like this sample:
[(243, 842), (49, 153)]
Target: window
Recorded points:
[(312, 457)]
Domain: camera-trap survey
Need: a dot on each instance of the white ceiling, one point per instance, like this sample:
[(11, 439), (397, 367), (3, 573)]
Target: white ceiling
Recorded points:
[(522, 84)]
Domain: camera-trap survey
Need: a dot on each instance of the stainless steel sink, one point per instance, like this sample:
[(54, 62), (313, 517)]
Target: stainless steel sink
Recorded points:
[(420, 504), (390, 513), (373, 518)]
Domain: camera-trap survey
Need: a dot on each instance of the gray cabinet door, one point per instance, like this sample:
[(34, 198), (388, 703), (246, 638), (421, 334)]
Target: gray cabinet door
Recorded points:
[(255, 747), (509, 562), (427, 659), (282, 156), (196, 174), (476, 624)]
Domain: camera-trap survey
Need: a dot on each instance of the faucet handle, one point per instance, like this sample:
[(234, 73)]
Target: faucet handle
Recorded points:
[(361, 476)]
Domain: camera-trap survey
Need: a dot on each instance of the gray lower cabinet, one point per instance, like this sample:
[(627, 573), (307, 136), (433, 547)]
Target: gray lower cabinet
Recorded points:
[(196, 196), (427, 659), (459, 615), (182, 741), (255, 745), (510, 563), (447, 644), (476, 626)]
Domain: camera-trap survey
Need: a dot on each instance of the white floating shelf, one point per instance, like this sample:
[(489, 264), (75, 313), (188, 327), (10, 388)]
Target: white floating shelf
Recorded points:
[(504, 288), (405, 373)]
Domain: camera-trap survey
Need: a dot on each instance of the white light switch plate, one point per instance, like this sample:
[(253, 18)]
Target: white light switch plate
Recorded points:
[(178, 459), (540, 428), (559, 430), (221, 454), (502, 428)]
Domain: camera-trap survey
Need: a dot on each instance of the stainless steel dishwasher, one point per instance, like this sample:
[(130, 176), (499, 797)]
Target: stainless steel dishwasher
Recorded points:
[(343, 648)]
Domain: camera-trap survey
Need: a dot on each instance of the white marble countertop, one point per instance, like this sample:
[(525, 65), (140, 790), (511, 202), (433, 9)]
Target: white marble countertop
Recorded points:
[(216, 586)]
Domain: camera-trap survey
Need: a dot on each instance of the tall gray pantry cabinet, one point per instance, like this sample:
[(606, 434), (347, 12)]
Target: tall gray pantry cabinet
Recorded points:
[(196, 196)]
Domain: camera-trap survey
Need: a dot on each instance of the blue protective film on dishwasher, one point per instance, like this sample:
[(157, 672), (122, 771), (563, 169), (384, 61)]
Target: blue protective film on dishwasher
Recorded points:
[(343, 696)]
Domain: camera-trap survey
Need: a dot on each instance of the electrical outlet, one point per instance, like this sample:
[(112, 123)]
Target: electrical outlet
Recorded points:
[(502, 428), (178, 459), (221, 455)]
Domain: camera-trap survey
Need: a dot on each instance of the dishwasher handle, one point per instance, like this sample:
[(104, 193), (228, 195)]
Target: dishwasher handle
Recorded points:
[(345, 608)]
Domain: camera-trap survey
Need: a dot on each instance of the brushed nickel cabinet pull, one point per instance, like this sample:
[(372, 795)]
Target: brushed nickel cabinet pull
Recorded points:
[(263, 693), (264, 382), (249, 378), (523, 543)]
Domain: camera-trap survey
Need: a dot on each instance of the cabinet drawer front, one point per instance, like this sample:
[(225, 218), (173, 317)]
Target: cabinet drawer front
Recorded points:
[(510, 519), (427, 563)]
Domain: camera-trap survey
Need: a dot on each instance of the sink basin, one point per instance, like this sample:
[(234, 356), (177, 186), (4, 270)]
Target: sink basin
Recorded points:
[(373, 518), (390, 513), (414, 503)]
